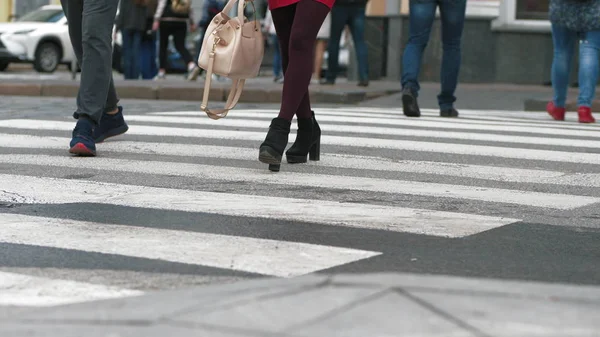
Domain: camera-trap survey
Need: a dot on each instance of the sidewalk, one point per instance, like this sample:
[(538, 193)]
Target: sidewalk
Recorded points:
[(404, 305), (257, 90)]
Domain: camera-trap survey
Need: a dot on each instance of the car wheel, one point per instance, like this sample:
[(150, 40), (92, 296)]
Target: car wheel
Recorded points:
[(47, 57), (3, 65)]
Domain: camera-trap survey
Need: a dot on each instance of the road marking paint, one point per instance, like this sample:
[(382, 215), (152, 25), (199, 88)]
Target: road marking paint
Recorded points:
[(37, 190), (25, 290)]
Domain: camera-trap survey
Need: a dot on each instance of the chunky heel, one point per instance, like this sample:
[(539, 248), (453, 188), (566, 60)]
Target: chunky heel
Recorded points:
[(315, 151), (274, 167)]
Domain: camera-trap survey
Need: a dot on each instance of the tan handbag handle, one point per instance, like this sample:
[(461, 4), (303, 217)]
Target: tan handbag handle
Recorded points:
[(234, 93)]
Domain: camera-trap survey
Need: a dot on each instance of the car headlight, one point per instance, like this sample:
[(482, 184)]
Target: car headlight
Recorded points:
[(22, 32)]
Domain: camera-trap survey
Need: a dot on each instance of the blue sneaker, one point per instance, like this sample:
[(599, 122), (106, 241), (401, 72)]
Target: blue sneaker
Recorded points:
[(110, 126), (83, 143)]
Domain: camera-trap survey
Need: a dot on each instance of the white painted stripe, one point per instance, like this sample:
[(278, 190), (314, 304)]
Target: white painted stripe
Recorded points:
[(22, 189), (267, 115), (225, 173), (260, 256), (324, 121), (25, 141), (496, 173), (31, 124), (25, 290)]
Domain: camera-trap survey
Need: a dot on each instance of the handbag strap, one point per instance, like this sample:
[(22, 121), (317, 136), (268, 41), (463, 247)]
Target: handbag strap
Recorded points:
[(234, 93)]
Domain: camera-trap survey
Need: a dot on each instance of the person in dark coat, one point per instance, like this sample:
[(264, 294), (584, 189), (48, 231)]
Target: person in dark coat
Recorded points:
[(131, 22), (574, 21)]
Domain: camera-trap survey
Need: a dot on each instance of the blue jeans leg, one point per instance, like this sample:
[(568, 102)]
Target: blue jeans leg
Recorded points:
[(453, 19), (136, 55), (589, 50), (564, 44), (148, 57), (131, 53), (339, 17), (276, 55), (357, 28), (421, 18)]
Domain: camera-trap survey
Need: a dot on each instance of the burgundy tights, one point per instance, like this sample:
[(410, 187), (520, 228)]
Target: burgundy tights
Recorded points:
[(297, 28)]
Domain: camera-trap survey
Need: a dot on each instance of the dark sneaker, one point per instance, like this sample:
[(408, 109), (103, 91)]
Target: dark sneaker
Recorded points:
[(83, 143), (110, 126), (409, 103), (363, 83), (448, 112)]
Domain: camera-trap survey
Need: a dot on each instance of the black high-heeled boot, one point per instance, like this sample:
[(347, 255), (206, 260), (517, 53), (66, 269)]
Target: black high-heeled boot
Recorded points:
[(308, 141), (271, 150)]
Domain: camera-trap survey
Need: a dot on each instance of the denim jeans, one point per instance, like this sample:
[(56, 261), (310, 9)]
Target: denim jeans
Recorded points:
[(564, 44), (276, 55), (148, 64), (354, 17), (132, 41), (422, 16)]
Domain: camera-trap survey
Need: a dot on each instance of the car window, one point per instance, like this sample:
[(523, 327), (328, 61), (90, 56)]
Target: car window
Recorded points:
[(43, 15)]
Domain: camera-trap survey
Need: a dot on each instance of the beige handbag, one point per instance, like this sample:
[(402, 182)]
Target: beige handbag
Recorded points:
[(233, 48)]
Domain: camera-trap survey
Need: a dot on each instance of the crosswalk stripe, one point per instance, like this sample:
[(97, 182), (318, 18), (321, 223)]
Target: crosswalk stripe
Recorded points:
[(496, 173), (337, 140), (393, 119), (25, 290), (252, 255), (26, 141), (249, 123), (519, 197), (24, 189)]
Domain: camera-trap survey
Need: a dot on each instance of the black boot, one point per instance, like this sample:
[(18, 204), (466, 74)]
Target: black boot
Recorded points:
[(272, 148), (409, 103), (308, 141)]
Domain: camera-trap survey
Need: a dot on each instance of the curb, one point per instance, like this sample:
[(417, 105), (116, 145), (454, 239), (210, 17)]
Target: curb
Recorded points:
[(253, 93)]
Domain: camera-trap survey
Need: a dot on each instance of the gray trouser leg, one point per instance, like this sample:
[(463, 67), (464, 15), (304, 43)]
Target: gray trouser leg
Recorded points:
[(90, 30)]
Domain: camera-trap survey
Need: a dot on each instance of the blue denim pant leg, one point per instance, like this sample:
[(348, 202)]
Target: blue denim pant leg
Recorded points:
[(589, 50), (148, 65), (452, 13), (422, 14), (132, 40), (276, 55), (563, 40), (356, 22), (339, 17)]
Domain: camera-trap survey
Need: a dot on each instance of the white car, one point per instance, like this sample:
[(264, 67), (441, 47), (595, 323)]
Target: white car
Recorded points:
[(40, 37)]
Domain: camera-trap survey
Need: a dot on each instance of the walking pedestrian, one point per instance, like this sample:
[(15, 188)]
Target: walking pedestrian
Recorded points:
[(572, 21), (148, 65), (131, 22), (297, 23), (269, 31), (320, 47), (349, 13), (98, 115), (172, 18), (422, 15)]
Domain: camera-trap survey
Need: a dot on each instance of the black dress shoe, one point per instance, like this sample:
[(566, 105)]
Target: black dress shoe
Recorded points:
[(409, 103), (448, 113)]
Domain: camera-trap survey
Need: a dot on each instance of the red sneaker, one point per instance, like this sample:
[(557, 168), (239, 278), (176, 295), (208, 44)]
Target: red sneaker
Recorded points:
[(556, 112), (585, 115)]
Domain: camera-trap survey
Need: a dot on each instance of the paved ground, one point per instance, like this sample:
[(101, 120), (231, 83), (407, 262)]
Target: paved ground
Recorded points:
[(181, 200)]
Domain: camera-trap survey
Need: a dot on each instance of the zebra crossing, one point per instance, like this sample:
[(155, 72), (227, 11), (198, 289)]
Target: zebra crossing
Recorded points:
[(379, 171)]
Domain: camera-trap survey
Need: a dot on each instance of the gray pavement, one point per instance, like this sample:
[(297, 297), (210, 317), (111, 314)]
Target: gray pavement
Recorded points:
[(500, 205), (341, 305)]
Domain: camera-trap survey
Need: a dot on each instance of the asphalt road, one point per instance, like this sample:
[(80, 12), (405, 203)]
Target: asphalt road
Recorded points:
[(181, 200)]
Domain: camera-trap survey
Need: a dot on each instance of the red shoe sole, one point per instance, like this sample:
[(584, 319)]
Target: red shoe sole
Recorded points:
[(82, 150)]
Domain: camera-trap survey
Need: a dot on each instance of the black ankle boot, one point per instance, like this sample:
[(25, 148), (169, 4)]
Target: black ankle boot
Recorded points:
[(308, 141), (272, 148)]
